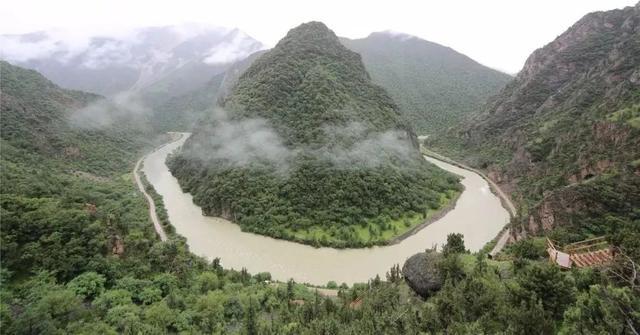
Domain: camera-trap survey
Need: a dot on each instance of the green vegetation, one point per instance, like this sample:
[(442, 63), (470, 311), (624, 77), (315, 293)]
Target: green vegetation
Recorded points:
[(79, 256), (311, 151), (376, 231), (180, 113), (563, 136), (629, 115), (161, 211), (435, 87)]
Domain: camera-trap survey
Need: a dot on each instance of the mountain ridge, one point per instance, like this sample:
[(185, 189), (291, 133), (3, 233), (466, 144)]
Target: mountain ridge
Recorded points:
[(326, 137), (564, 133), (434, 85), (133, 60)]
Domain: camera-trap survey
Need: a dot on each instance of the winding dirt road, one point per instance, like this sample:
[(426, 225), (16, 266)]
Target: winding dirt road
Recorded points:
[(152, 205)]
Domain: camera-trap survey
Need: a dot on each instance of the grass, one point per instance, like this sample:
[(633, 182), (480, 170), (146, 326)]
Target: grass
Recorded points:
[(375, 232), (629, 115)]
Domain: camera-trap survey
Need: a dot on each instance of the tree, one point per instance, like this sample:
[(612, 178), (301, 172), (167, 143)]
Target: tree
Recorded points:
[(87, 285), (527, 249), (251, 323), (455, 244), (451, 268), (207, 281), (554, 288), (290, 289), (125, 318), (530, 317), (394, 275), (604, 309), (160, 315), (112, 298), (210, 311)]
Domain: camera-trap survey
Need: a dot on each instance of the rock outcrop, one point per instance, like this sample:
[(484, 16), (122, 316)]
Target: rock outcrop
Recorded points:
[(421, 273)]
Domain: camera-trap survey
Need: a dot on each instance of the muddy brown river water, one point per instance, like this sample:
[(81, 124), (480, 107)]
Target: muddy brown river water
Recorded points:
[(478, 215)]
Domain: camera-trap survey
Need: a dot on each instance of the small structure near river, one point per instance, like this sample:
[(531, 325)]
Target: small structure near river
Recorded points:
[(587, 253)]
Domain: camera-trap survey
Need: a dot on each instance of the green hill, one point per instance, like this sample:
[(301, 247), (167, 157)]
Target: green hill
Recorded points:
[(67, 267), (78, 253), (310, 149), (434, 86), (61, 181), (563, 136)]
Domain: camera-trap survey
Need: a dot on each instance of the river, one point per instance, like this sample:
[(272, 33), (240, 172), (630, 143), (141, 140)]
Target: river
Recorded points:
[(478, 215)]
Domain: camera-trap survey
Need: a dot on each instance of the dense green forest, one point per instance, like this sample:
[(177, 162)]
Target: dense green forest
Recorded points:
[(434, 86), (79, 256), (310, 150)]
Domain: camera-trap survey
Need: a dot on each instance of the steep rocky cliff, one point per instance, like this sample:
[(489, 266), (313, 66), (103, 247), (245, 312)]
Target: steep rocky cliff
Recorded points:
[(567, 127)]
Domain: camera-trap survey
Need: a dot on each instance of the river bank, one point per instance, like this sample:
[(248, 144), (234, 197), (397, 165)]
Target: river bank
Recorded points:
[(478, 214)]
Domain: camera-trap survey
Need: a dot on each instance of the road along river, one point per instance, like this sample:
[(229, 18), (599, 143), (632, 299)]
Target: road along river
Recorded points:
[(478, 215)]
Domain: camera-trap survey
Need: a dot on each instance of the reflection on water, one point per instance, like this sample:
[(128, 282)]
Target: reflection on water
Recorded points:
[(478, 215)]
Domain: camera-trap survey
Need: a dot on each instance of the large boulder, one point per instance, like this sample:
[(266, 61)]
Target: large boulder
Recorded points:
[(421, 273)]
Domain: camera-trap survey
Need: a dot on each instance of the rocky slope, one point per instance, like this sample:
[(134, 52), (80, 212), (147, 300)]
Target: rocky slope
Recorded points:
[(563, 137), (308, 148), (434, 86)]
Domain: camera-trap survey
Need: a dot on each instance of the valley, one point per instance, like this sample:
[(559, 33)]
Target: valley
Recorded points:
[(172, 177), (478, 215)]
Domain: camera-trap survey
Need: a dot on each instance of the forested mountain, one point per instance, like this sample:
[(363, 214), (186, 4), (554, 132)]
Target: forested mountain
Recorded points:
[(78, 254), (564, 135), (434, 86), (40, 118), (161, 61), (308, 148)]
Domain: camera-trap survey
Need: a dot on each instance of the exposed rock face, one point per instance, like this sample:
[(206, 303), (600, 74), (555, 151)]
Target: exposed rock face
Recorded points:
[(566, 119), (421, 273), (72, 152), (117, 245), (578, 204)]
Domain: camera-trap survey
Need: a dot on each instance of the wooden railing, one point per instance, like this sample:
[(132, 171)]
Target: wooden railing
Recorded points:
[(591, 244), (591, 252)]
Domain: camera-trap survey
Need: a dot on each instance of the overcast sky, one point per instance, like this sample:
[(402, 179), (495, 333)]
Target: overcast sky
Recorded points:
[(499, 34)]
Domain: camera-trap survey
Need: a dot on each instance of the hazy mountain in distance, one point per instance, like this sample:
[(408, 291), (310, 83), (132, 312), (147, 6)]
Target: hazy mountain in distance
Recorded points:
[(434, 86), (160, 61), (182, 112)]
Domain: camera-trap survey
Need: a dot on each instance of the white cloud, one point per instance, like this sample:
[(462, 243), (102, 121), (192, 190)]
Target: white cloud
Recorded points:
[(239, 47), (399, 35), (500, 34)]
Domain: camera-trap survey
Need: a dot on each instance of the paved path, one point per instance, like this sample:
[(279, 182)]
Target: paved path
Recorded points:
[(506, 202), (152, 205), (502, 241)]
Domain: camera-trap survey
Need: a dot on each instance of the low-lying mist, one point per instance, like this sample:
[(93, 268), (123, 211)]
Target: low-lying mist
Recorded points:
[(240, 142), (122, 108), (244, 142)]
